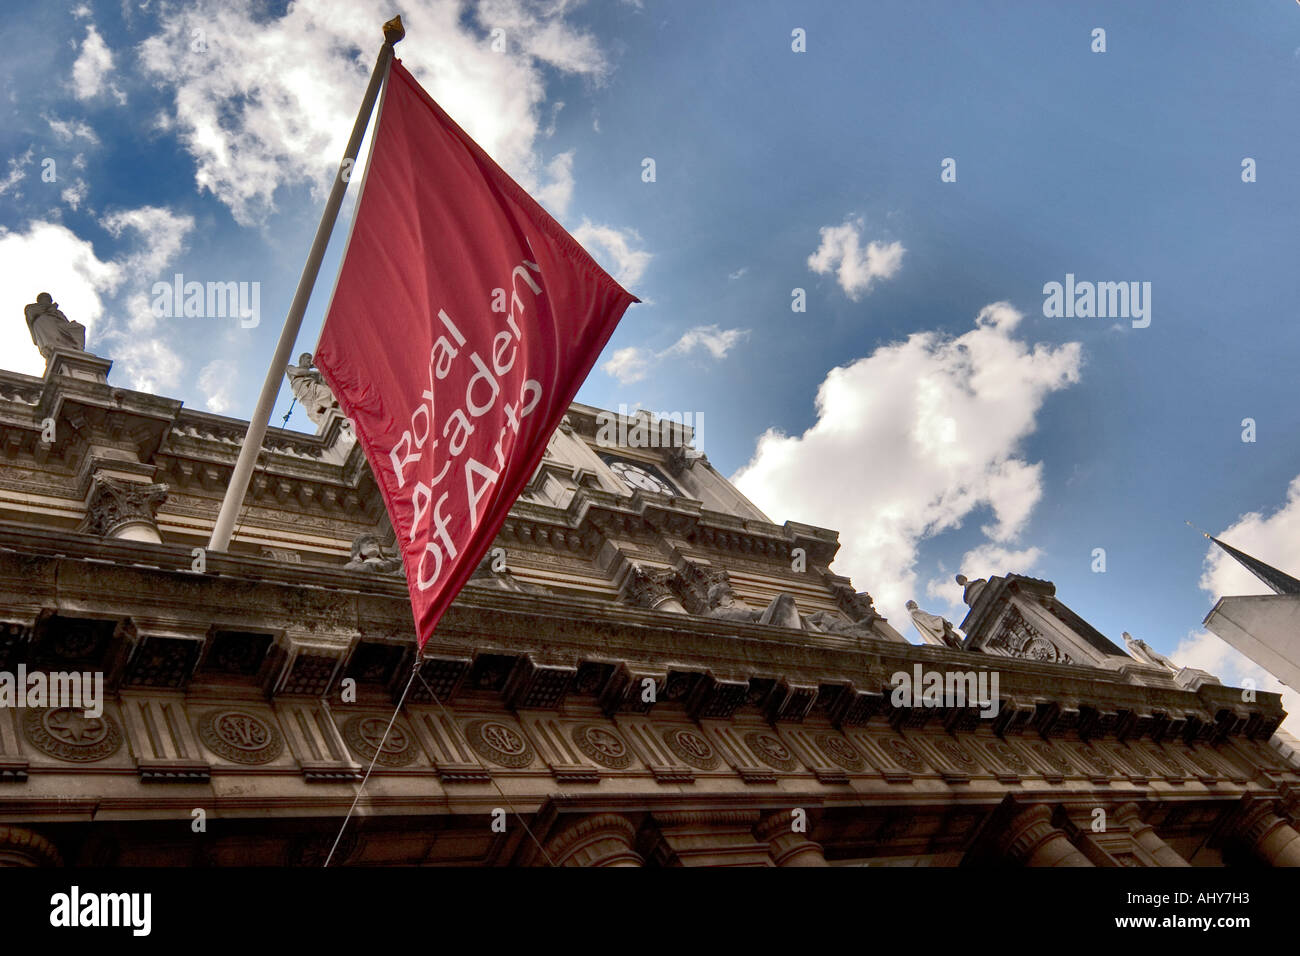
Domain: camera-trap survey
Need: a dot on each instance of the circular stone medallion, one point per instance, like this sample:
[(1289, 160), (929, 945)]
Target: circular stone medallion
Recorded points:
[(691, 748), (839, 751), (602, 745), (240, 736), (499, 742), (67, 733), (1054, 757), (364, 734), (1093, 758), (957, 754), (769, 749), (906, 756), (1008, 756)]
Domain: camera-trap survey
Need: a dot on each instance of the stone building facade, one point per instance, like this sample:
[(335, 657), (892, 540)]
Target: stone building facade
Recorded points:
[(645, 672)]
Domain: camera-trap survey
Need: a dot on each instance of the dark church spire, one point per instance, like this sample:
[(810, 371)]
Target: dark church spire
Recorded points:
[(1280, 582)]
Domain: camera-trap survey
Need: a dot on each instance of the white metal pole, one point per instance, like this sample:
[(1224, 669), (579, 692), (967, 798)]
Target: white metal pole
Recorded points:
[(239, 479)]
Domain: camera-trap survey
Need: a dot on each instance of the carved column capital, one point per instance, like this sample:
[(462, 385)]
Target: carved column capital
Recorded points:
[(22, 847), (788, 847), (602, 839), (1270, 838), (1031, 839), (118, 508), (1145, 836)]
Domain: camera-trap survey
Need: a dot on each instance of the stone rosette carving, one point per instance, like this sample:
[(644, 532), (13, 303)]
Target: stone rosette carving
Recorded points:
[(364, 735), (691, 748), (771, 750), (906, 757), (68, 734), (498, 742), (840, 752), (602, 745), (115, 503), (240, 737)]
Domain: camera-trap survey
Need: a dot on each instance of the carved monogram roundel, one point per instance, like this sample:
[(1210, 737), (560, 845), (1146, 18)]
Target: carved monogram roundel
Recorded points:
[(957, 754), (500, 743), (769, 749), (1008, 756), (602, 745), (839, 751), (906, 756), (1053, 757), (240, 736), (67, 733), (1093, 758), (364, 735), (691, 748)]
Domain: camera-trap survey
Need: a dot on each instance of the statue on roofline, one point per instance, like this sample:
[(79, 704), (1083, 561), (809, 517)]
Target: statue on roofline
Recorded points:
[(51, 329)]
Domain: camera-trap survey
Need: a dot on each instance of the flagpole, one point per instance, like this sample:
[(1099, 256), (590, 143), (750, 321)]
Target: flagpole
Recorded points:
[(248, 452)]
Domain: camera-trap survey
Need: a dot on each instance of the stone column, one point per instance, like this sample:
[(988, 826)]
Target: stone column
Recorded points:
[(708, 838), (787, 847), (1031, 840), (22, 847), (1145, 836), (603, 839), (1270, 838)]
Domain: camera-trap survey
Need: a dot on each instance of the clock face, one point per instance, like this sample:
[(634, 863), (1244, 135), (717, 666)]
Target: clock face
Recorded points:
[(644, 477)]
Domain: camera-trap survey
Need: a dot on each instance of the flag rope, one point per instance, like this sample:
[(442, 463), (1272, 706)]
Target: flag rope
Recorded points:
[(491, 777), (378, 750)]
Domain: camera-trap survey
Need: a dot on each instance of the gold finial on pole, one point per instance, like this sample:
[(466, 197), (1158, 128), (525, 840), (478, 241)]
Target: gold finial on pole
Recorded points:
[(394, 31)]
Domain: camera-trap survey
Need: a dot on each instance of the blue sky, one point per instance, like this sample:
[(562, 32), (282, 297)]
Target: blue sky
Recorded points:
[(1012, 442)]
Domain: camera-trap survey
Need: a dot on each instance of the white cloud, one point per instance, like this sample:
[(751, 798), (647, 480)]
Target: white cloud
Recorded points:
[(855, 268), (982, 561), (1273, 539), (632, 364), (75, 194), (272, 99), (216, 380), (160, 238), (910, 441), (91, 66), (738, 273), (556, 192), (628, 365), (48, 258), (17, 171), (615, 250), (150, 364), (68, 130)]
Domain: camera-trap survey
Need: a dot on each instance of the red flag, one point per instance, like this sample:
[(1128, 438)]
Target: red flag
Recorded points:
[(463, 320)]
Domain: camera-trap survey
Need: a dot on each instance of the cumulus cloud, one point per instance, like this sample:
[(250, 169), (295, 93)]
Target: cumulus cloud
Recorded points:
[(616, 251), (91, 66), (49, 257), (160, 236), (909, 442), (216, 380), (855, 268), (271, 100), (1273, 539), (632, 364)]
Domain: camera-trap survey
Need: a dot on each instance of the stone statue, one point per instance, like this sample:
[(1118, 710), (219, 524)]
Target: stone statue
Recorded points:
[(1147, 654), (971, 589), (51, 329), (485, 576), (834, 622), (310, 389), (722, 603), (369, 554), (934, 629)]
